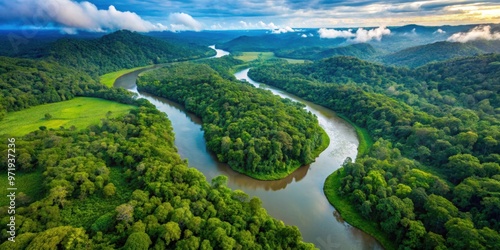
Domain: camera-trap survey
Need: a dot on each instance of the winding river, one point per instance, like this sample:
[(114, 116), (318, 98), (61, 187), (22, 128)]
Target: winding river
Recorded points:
[(297, 199)]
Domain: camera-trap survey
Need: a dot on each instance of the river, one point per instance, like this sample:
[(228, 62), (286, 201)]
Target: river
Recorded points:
[(297, 199)]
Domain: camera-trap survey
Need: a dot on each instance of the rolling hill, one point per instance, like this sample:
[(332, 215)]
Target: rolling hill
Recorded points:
[(360, 50), (439, 51)]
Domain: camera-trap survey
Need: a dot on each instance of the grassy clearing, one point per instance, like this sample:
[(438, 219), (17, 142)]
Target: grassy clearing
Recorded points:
[(252, 56), (79, 112), (110, 78), (28, 183), (349, 212)]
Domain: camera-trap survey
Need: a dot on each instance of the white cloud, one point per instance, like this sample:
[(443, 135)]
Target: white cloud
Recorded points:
[(283, 30), (69, 31), (270, 25), (361, 35), (74, 15), (333, 33), (303, 36), (439, 31), (477, 33), (244, 24), (183, 21)]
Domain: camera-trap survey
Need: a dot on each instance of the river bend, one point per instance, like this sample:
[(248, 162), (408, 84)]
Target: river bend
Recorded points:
[(297, 199)]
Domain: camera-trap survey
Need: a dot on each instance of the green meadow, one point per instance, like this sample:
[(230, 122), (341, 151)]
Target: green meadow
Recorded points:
[(110, 78), (252, 56), (79, 112)]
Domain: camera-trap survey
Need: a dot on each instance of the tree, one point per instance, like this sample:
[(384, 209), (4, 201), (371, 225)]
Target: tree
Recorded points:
[(125, 212), (461, 166), (438, 211), (109, 190), (462, 234), (171, 232), (137, 240), (64, 237)]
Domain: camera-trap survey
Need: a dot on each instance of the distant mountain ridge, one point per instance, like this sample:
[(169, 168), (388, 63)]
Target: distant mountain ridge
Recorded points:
[(360, 50), (275, 42), (439, 51)]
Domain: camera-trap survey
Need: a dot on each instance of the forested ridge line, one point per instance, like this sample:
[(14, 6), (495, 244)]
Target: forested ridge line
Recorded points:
[(122, 49), (255, 132), (432, 178)]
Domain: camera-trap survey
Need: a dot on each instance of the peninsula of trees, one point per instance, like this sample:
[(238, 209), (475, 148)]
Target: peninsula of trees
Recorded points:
[(255, 132)]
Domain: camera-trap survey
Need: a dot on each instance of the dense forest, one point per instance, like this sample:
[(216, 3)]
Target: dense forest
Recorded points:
[(432, 178), (257, 133), (120, 183)]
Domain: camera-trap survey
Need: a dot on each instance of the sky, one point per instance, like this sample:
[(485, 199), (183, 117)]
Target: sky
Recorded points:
[(156, 15)]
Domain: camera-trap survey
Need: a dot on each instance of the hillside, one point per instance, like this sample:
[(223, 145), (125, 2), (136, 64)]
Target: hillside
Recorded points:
[(119, 50), (360, 50), (439, 51), (275, 42)]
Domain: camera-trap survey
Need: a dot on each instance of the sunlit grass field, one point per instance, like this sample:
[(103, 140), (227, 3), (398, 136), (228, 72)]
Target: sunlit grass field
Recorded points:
[(252, 56), (79, 112)]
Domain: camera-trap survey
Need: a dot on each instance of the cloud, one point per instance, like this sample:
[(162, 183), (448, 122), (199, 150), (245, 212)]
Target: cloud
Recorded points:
[(262, 25), (183, 21), (303, 36), (361, 35), (477, 33), (73, 16), (439, 31), (333, 33), (283, 30), (270, 25)]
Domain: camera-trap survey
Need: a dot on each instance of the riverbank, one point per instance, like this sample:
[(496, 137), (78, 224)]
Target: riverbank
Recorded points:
[(110, 78), (349, 213), (365, 140), (345, 208)]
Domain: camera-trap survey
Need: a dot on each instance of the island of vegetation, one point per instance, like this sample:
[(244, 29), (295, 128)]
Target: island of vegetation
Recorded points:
[(255, 132), (431, 180)]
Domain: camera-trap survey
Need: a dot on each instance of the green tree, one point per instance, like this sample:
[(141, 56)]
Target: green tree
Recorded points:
[(137, 240)]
